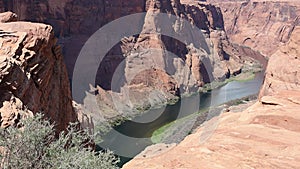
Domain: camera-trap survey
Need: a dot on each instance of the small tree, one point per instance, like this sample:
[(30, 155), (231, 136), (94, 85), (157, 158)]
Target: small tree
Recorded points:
[(33, 146)]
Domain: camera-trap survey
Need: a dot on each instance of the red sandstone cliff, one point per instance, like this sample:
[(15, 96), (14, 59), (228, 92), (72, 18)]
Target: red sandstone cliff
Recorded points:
[(165, 77), (74, 21), (33, 76), (78, 20), (265, 135), (261, 25)]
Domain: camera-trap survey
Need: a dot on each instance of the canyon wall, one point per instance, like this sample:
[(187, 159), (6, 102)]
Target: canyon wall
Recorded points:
[(283, 74), (265, 135), (33, 76), (192, 68), (261, 25), (74, 21)]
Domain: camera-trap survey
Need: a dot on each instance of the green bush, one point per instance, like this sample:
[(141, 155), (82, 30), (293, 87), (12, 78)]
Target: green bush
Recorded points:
[(33, 145)]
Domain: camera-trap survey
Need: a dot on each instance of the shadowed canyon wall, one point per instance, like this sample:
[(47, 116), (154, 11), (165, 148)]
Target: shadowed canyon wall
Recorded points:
[(74, 21)]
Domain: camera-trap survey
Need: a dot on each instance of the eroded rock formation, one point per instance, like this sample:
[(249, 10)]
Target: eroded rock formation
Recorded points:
[(77, 20), (265, 135), (152, 73), (8, 17), (140, 59), (33, 76), (261, 25), (283, 74)]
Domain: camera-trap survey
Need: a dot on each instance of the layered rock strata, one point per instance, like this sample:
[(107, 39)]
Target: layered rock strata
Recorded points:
[(261, 25), (150, 74), (33, 76), (265, 135)]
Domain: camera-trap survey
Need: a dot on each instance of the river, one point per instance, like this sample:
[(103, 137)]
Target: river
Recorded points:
[(132, 137)]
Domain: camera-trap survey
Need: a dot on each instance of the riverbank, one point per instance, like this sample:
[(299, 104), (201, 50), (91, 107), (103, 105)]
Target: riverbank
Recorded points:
[(265, 135), (176, 131), (109, 124), (133, 136), (106, 126)]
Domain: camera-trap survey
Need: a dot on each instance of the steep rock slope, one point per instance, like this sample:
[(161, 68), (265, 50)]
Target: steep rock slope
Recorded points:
[(283, 74), (151, 75), (75, 21), (266, 135), (33, 76), (261, 25)]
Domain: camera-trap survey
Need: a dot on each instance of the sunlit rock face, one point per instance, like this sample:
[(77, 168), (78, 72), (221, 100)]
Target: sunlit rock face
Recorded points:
[(150, 63), (267, 130), (261, 25), (33, 76)]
